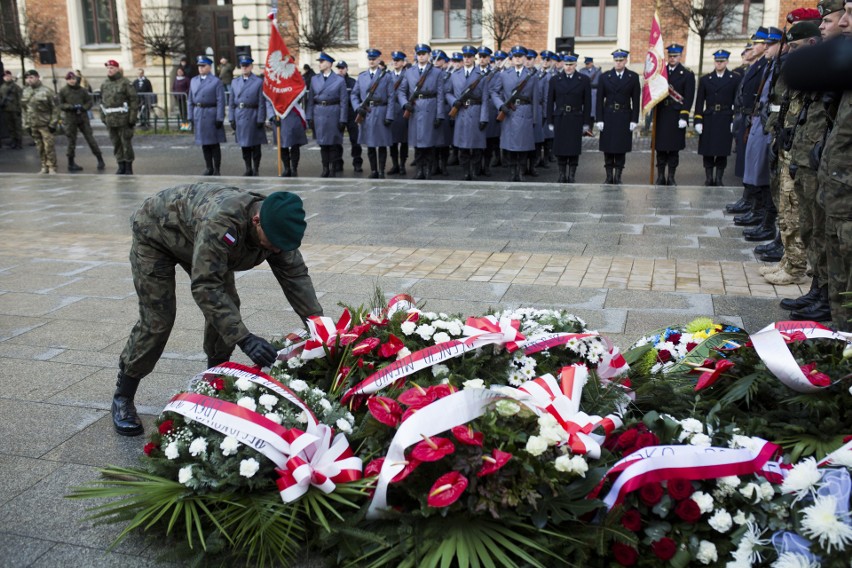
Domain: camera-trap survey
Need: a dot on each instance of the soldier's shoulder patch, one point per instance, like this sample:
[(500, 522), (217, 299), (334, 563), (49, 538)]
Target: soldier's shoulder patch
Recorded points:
[(230, 238)]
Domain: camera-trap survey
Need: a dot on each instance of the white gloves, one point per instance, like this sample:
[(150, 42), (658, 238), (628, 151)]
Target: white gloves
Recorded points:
[(585, 128), (681, 123), (550, 127), (599, 125), (732, 128), (699, 128), (632, 126)]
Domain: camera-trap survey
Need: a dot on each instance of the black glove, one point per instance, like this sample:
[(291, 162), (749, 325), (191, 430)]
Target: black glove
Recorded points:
[(361, 111), (452, 123), (341, 126), (483, 125), (219, 124), (78, 108), (388, 121), (275, 121), (408, 106), (51, 129), (457, 104), (233, 125), (438, 122), (259, 350), (311, 123), (505, 109), (260, 125)]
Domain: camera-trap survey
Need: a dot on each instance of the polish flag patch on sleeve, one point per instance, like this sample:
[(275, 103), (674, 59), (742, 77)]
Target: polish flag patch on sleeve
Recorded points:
[(229, 239)]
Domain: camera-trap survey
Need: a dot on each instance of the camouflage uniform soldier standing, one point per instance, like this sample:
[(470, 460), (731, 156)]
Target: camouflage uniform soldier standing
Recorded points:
[(10, 104), (211, 231), (248, 115), (206, 102), (76, 102), (119, 108), (41, 116)]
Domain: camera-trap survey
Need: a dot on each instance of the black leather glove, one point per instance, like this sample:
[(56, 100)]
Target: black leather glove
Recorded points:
[(233, 125), (457, 104), (260, 125), (408, 106), (438, 122), (361, 111), (388, 121), (219, 124), (505, 109), (341, 126), (483, 125), (78, 108), (452, 123), (259, 350), (311, 123), (51, 129)]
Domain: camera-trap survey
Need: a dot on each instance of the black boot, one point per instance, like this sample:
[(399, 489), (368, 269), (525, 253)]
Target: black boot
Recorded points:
[(671, 179), (661, 176), (708, 177), (562, 177), (531, 159), (775, 255), (609, 179), (255, 158), (719, 173), (207, 151), (120, 170), (217, 159), (819, 310), (128, 168), (756, 213), (516, 170), (325, 162), (124, 416), (72, 166), (454, 157), (572, 173), (248, 171), (743, 204), (804, 300), (286, 170), (616, 177), (101, 163), (765, 231), (394, 154), (765, 248), (295, 155)]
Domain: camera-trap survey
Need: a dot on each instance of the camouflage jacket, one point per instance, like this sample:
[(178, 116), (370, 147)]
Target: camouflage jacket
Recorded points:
[(119, 103), (70, 96), (834, 168), (39, 106), (10, 96), (207, 228), (809, 132)]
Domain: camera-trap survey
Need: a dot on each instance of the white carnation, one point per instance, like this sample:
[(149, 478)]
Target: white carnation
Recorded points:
[(249, 467), (507, 407), (766, 491), (440, 370), (705, 501), (721, 521), (706, 552), (729, 481), (408, 327), (275, 417), (198, 447), (268, 401), (474, 384), (343, 426), (302, 418), (298, 385), (229, 446), (425, 331), (295, 362), (692, 425), (536, 445), (185, 474), (244, 384), (402, 353), (440, 337), (740, 518), (247, 402), (700, 440), (325, 404), (171, 451)]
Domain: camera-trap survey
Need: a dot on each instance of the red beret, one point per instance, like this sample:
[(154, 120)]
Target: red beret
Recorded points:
[(70, 75), (801, 14), (111, 63)]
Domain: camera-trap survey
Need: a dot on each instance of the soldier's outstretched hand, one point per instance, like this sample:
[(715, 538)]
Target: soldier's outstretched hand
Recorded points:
[(259, 350)]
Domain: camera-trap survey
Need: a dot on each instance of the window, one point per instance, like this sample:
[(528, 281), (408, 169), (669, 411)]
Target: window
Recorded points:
[(100, 21), (747, 17), (456, 19), (589, 18), (9, 22), (349, 31)]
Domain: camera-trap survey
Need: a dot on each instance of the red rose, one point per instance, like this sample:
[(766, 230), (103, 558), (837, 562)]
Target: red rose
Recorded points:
[(651, 494), (632, 520), (690, 346), (645, 440), (624, 554), (150, 447), (664, 356), (627, 440), (688, 511), (217, 383), (166, 426), (680, 489), (674, 338), (664, 548)]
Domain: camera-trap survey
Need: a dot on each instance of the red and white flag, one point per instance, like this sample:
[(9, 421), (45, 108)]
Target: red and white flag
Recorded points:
[(656, 86), (282, 83)]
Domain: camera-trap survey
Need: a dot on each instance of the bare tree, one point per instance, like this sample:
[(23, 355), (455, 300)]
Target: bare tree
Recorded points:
[(21, 41), (704, 18), (159, 33), (318, 25), (506, 19)]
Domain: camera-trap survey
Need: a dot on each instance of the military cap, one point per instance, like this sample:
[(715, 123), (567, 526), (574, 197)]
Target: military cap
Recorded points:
[(760, 35), (825, 7), (373, 53), (674, 48), (397, 55), (282, 218), (111, 63), (485, 51), (588, 60), (323, 56), (342, 65), (70, 75), (774, 35), (7, 72), (422, 48), (245, 60), (440, 54), (31, 73), (518, 50), (200, 60), (500, 55), (803, 30), (457, 56), (547, 54), (570, 58), (721, 55), (620, 54), (532, 54), (468, 50)]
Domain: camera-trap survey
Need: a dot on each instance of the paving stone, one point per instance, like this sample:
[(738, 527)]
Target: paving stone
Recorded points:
[(20, 551)]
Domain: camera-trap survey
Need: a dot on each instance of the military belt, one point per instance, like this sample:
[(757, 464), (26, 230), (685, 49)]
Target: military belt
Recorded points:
[(471, 102), (519, 102), (617, 106), (246, 105), (203, 105), (719, 108), (774, 108), (569, 108), (426, 96), (327, 103), (378, 103), (110, 110)]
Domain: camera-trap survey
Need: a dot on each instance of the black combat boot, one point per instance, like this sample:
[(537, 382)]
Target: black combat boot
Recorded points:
[(120, 170), (804, 300), (374, 167), (325, 160), (394, 154), (256, 155), (708, 177), (286, 170), (295, 155), (562, 177), (661, 176), (454, 157), (719, 173), (819, 310), (671, 179), (743, 204), (531, 161), (609, 179), (72, 166), (128, 168), (755, 215), (249, 172), (516, 169), (101, 163), (766, 247), (765, 231), (616, 177), (124, 416), (572, 173)]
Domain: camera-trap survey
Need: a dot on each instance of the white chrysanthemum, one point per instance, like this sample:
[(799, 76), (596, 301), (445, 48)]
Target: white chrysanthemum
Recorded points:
[(298, 385), (536, 445), (343, 426), (793, 560), (728, 481), (474, 384), (748, 549), (507, 407), (171, 451), (247, 402), (249, 467), (700, 440), (766, 491), (706, 552), (275, 417), (325, 404), (802, 478), (295, 363), (528, 373), (198, 447), (441, 337), (402, 353), (185, 474), (692, 425), (705, 501), (516, 379), (721, 521), (268, 401), (408, 327), (229, 446), (244, 384), (440, 370), (820, 521), (425, 331)]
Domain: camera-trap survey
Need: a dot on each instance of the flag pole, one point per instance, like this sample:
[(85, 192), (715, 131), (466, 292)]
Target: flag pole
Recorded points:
[(653, 144), (279, 147)]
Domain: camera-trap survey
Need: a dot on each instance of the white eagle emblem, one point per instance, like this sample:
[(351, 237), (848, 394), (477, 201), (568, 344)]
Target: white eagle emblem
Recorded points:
[(279, 67)]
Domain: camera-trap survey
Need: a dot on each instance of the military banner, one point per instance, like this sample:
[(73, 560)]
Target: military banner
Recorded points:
[(282, 83), (656, 86)]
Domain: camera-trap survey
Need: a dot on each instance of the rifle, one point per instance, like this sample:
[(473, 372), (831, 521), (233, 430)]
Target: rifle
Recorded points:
[(417, 88), (466, 94), (501, 116), (365, 104)]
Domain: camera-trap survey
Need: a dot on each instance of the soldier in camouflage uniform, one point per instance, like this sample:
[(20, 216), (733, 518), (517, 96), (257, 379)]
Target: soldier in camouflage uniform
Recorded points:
[(210, 230), (119, 108), (76, 102), (10, 105), (41, 116)]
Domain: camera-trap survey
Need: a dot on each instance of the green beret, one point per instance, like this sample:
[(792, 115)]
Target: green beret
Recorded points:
[(282, 218), (803, 30), (829, 6), (31, 72)]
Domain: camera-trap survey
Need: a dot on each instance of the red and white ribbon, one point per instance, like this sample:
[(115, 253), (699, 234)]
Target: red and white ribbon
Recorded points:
[(297, 339), (612, 362), (324, 334), (323, 465), (843, 450), (399, 303)]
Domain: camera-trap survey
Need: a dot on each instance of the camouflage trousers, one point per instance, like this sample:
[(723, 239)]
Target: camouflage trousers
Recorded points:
[(811, 223), (12, 120), (154, 280), (73, 123), (121, 137), (43, 139), (788, 219)]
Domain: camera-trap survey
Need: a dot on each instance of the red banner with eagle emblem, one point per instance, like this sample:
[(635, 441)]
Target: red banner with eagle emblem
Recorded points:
[(282, 83), (656, 86)]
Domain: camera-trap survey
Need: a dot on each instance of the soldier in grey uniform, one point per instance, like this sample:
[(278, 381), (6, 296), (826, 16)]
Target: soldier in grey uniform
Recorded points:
[(445, 132), (119, 109), (211, 231), (206, 101), (548, 70), (76, 102), (352, 129), (673, 116), (399, 128), (538, 125), (293, 137), (492, 129), (456, 63), (594, 74), (327, 113), (423, 102), (41, 117), (618, 112), (515, 94), (376, 110), (248, 114), (467, 94), (568, 115), (10, 106)]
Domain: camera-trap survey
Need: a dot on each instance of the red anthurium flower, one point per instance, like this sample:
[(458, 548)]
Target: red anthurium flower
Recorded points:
[(664, 549), (432, 449), (354, 333), (377, 320), (815, 377), (492, 463), (664, 355), (374, 467), (797, 335), (412, 316), (408, 413), (710, 375), (466, 435), (166, 426), (418, 397), (442, 390), (385, 410), (366, 346), (150, 447), (393, 346), (409, 468), (447, 489)]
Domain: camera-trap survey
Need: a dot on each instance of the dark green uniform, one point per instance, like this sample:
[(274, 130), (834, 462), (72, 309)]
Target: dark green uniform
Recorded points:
[(41, 117), (119, 108), (76, 102), (207, 229), (10, 105)]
